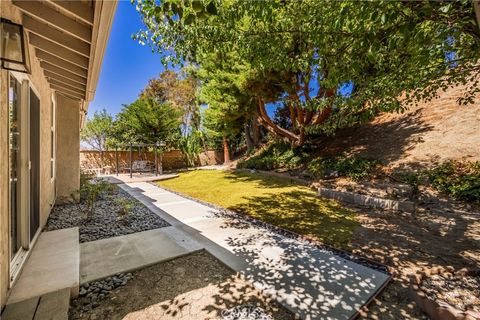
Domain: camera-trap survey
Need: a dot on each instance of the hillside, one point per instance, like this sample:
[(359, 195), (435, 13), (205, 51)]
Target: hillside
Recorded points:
[(423, 135)]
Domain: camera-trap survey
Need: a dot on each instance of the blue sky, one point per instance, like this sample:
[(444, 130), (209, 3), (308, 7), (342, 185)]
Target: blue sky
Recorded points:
[(127, 65)]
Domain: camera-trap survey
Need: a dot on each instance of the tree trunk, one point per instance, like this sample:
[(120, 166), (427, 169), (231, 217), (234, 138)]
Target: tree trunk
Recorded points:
[(248, 137), (256, 131), (226, 151), (272, 126)]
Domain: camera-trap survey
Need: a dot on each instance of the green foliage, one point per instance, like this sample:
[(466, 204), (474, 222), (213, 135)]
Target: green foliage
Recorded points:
[(91, 191), (275, 200), (125, 207), (147, 121), (459, 179), (414, 179), (222, 89), (392, 53), (179, 90), (97, 130), (274, 156), (344, 166), (191, 147)]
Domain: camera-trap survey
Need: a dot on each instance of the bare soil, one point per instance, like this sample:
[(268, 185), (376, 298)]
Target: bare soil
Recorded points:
[(423, 135), (438, 234), (194, 287)]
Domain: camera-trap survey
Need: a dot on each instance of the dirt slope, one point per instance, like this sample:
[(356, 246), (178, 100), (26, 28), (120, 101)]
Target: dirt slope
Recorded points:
[(425, 134)]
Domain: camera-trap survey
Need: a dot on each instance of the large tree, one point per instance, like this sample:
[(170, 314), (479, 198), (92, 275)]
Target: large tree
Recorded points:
[(178, 89), (388, 53), (147, 121), (230, 107), (96, 132)]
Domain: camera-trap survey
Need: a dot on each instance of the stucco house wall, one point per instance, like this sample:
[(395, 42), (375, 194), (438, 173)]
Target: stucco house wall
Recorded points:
[(68, 149), (47, 185)]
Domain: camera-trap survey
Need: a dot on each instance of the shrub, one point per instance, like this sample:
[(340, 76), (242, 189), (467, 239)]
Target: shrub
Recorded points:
[(459, 179), (126, 205), (191, 147), (343, 166), (90, 191), (274, 156)]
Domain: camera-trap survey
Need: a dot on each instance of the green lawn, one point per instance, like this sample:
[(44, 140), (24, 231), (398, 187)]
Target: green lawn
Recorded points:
[(278, 201)]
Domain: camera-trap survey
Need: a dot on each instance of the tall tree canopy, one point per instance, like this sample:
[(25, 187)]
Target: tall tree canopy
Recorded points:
[(147, 121), (97, 130), (387, 53), (178, 89), (223, 90)]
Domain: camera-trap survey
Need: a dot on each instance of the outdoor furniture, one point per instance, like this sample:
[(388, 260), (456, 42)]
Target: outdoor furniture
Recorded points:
[(143, 166), (107, 170), (93, 171)]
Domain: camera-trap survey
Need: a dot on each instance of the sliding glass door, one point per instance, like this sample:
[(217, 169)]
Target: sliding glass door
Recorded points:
[(34, 107), (14, 103), (24, 168)]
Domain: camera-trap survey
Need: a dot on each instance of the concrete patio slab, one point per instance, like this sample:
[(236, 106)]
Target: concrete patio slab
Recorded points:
[(50, 306), (23, 310), (313, 283), (103, 258), (53, 265), (53, 306)]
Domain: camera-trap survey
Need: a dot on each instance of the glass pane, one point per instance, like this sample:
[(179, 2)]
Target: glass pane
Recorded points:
[(12, 40), (14, 135)]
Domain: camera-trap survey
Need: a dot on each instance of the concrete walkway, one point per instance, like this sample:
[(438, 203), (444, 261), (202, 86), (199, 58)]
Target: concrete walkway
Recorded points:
[(102, 258), (146, 177), (312, 283)]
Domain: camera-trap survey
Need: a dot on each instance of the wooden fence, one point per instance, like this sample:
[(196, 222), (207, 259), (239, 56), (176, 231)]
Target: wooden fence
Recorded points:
[(171, 160)]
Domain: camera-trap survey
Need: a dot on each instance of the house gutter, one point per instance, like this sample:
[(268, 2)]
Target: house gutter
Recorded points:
[(103, 21)]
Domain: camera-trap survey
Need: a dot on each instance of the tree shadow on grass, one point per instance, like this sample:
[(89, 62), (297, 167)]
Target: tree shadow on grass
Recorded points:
[(304, 213), (261, 179)]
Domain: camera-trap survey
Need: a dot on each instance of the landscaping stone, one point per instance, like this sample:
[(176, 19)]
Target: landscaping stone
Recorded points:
[(446, 295), (367, 201), (91, 294), (246, 312), (104, 222)]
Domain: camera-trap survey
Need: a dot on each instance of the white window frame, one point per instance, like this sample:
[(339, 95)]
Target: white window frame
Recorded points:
[(16, 264), (53, 139)]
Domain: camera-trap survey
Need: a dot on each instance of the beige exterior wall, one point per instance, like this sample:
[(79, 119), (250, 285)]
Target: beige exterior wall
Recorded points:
[(47, 195), (68, 148), (98, 14), (3, 189)]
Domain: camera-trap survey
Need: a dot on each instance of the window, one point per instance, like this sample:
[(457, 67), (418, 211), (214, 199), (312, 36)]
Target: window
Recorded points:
[(52, 139)]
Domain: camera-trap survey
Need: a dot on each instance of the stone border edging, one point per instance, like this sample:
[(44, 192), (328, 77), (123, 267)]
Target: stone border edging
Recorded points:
[(345, 196), (366, 201), (431, 307)]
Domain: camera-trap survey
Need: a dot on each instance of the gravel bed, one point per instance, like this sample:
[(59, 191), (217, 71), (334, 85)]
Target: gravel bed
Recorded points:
[(459, 291), (93, 292), (242, 218), (105, 221), (246, 312)]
